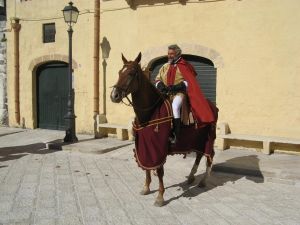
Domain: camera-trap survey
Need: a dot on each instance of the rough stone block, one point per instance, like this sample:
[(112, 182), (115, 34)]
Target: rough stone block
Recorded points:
[(266, 147), (121, 134)]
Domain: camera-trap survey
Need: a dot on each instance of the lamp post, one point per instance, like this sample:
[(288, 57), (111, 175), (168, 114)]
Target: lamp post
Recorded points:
[(70, 13)]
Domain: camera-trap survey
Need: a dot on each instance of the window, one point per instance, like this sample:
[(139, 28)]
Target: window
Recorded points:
[(2, 7), (49, 32)]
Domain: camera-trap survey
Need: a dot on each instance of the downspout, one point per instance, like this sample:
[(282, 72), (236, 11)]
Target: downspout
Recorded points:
[(96, 56), (97, 118), (16, 27)]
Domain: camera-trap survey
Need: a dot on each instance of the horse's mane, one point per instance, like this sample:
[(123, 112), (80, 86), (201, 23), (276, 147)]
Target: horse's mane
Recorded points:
[(149, 93), (142, 73)]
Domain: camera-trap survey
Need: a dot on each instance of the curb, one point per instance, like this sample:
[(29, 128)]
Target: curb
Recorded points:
[(60, 145)]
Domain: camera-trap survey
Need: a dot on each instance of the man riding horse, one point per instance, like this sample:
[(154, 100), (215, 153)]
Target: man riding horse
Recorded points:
[(152, 125), (176, 79)]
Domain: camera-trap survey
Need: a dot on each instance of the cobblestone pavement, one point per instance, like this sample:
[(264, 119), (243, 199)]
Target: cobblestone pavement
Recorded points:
[(46, 187)]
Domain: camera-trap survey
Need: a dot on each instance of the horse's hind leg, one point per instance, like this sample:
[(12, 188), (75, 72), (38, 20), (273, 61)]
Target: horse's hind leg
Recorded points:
[(160, 198), (191, 177), (146, 188), (203, 181)]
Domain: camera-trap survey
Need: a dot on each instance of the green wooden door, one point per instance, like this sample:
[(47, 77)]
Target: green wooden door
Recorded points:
[(52, 95), (205, 69)]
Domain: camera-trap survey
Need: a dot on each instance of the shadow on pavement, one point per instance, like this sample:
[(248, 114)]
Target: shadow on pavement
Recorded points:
[(16, 152), (247, 166), (58, 144), (233, 170)]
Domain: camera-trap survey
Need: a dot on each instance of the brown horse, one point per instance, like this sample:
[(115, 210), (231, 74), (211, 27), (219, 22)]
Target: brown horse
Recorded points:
[(147, 101)]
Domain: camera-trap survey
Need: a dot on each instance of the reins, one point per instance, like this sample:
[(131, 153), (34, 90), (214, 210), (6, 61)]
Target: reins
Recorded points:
[(138, 108)]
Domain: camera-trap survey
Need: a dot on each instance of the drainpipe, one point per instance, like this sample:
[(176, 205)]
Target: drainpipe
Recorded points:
[(16, 26), (96, 56)]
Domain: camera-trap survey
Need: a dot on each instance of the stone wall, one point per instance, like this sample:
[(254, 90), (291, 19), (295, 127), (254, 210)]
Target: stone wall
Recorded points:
[(3, 76)]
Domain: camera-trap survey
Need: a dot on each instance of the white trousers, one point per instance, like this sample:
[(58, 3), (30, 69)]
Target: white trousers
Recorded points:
[(176, 105)]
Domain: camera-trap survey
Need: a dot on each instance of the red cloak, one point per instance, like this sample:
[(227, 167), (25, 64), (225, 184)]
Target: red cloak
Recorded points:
[(199, 104)]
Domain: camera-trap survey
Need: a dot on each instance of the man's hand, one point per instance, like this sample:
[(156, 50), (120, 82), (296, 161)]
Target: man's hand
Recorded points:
[(162, 87), (177, 88)]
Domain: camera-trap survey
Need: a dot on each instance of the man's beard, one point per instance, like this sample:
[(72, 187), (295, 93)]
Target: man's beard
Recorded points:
[(173, 60)]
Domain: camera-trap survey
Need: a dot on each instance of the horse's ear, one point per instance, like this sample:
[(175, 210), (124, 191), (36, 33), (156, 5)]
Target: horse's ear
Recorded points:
[(125, 61), (138, 58)]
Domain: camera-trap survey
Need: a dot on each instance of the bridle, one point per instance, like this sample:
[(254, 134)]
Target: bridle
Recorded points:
[(125, 93), (128, 84)]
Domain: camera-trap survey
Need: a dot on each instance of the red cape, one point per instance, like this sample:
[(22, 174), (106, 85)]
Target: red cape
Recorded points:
[(199, 104)]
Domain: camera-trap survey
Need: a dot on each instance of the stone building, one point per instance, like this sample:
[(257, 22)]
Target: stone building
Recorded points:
[(247, 54), (3, 92)]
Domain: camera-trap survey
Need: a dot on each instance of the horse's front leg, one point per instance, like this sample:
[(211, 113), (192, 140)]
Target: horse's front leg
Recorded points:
[(203, 181), (146, 188), (160, 198), (191, 177)]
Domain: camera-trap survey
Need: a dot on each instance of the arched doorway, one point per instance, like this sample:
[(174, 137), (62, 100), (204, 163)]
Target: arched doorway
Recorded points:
[(52, 95), (204, 67)]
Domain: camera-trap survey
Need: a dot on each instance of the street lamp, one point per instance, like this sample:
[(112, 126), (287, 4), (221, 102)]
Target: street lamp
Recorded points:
[(70, 15)]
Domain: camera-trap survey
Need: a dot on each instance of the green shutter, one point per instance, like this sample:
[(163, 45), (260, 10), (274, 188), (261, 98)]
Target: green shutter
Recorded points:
[(52, 95)]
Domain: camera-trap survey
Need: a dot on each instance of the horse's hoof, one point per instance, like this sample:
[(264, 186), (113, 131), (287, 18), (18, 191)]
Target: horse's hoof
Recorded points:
[(145, 191), (159, 203), (190, 179)]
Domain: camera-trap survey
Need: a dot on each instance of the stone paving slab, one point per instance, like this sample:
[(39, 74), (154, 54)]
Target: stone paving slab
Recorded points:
[(40, 186), (53, 140), (29, 137), (10, 130), (91, 145), (88, 189)]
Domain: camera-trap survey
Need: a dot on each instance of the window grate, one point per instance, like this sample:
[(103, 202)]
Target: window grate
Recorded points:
[(49, 32)]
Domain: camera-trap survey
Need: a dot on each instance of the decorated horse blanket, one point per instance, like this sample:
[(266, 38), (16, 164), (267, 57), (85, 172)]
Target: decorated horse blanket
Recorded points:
[(152, 140)]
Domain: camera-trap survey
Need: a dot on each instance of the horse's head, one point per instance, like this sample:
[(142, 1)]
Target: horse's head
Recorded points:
[(128, 79)]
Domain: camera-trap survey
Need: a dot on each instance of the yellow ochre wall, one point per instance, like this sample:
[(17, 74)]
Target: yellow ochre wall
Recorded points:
[(255, 45), (32, 49)]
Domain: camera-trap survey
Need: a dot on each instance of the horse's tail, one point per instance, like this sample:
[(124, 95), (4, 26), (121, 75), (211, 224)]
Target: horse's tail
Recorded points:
[(212, 130)]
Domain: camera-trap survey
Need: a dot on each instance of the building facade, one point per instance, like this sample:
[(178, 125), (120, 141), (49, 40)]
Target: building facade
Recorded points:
[(246, 53), (42, 81)]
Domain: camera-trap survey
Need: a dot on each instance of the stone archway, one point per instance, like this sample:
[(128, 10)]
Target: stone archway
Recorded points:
[(155, 53), (33, 67), (47, 58)]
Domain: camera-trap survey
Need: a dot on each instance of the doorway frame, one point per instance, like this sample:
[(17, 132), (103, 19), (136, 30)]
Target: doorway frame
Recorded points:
[(33, 67)]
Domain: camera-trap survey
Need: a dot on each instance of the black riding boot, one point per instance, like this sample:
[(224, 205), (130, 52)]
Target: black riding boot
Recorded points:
[(176, 130)]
